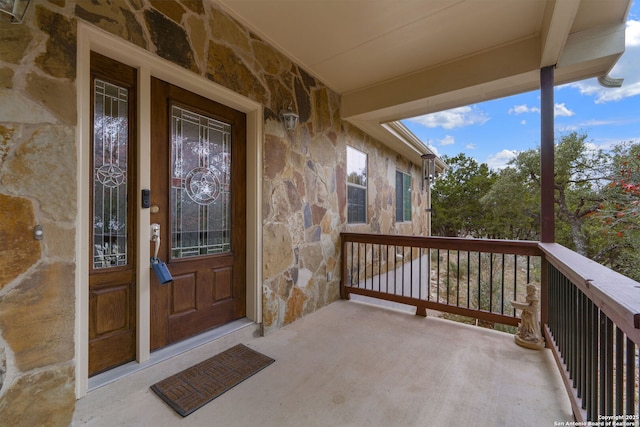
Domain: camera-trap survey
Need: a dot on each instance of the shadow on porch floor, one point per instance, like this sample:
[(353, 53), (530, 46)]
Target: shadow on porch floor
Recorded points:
[(354, 364)]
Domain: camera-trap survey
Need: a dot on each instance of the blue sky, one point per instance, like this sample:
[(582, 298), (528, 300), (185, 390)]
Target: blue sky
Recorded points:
[(494, 132)]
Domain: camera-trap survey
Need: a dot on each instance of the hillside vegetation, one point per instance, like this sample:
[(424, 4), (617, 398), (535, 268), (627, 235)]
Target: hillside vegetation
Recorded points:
[(596, 200)]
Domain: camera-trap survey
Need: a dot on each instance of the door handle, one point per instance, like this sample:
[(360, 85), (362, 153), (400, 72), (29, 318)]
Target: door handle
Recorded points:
[(155, 237), (159, 267)]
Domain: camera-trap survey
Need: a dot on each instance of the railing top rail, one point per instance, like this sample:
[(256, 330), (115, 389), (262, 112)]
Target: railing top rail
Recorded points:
[(616, 295), (517, 247)]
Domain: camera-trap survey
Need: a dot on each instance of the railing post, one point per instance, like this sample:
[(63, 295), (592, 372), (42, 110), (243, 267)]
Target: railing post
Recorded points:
[(344, 294)]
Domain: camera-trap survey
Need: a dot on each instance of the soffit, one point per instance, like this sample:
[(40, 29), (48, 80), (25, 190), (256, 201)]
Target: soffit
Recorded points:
[(393, 59), (352, 44)]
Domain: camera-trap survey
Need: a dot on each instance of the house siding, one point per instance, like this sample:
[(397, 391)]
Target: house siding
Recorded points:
[(303, 185)]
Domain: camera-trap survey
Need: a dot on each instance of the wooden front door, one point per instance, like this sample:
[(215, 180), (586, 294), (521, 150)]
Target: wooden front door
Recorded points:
[(198, 197), (112, 241)]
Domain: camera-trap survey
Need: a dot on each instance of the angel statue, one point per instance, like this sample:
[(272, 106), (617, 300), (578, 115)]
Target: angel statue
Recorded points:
[(528, 334)]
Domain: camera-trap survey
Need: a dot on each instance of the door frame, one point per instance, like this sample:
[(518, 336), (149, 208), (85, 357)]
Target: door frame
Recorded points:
[(93, 39)]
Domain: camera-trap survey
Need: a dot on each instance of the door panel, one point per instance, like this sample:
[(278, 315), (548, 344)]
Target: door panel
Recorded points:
[(184, 294), (112, 273), (112, 303), (222, 281), (198, 186)]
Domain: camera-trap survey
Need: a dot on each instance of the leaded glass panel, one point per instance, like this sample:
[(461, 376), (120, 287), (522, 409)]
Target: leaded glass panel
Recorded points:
[(110, 146), (200, 185)]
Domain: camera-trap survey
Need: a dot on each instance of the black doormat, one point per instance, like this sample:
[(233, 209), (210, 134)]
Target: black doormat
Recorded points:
[(190, 389)]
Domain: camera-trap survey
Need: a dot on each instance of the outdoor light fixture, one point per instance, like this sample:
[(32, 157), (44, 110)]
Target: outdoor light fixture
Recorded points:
[(15, 9), (429, 173), (289, 118)]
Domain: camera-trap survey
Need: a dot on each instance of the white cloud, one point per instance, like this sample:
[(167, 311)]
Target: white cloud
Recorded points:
[(595, 122), (567, 128), (447, 140), (626, 91), (434, 150), (471, 146), (605, 144), (457, 117), (590, 146), (559, 110), (523, 122), (500, 160), (627, 67), (633, 33), (562, 110), (521, 109), (588, 124)]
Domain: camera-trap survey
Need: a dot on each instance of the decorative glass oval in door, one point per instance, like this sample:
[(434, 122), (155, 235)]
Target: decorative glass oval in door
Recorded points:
[(200, 185)]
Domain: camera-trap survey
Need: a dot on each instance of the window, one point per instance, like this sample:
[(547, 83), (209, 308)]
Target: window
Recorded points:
[(403, 197), (356, 186)]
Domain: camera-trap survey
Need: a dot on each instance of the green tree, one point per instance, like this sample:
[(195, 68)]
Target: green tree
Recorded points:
[(622, 194), (512, 207), (597, 200), (457, 210), (618, 218), (580, 173)]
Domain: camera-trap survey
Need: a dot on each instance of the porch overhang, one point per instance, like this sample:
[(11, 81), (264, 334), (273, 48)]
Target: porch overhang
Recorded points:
[(394, 60)]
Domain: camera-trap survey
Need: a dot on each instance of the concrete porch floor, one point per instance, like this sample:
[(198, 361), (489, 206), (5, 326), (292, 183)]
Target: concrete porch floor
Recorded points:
[(355, 364)]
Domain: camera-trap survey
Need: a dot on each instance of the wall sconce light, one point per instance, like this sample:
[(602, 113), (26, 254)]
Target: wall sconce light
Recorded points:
[(429, 173), (16, 9), (289, 118)]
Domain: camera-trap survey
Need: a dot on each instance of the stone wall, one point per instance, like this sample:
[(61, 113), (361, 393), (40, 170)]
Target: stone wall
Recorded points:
[(304, 188), (304, 208), (37, 186)]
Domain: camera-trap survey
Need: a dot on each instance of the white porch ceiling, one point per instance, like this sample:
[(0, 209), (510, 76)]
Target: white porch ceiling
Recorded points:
[(394, 59)]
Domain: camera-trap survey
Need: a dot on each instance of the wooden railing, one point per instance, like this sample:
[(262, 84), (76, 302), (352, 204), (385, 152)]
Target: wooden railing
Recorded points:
[(590, 315), (473, 278), (593, 330)]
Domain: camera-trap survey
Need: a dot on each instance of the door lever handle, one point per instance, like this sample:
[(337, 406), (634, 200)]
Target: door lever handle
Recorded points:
[(155, 237), (159, 267)]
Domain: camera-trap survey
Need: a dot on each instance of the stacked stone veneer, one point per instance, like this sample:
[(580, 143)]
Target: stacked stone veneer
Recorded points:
[(304, 179), (37, 186)]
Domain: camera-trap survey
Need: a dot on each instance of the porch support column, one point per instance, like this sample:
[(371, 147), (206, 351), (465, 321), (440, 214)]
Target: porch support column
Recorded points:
[(547, 209), (547, 212)]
